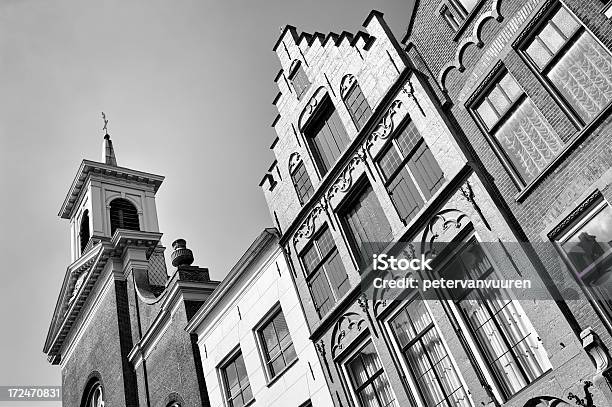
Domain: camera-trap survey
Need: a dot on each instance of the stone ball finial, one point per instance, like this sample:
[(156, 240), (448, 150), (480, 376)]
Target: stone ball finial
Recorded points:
[(181, 256)]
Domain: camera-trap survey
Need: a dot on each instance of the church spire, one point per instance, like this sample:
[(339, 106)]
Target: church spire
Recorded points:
[(108, 152)]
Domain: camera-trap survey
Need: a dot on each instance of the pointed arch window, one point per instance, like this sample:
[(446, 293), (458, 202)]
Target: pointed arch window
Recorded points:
[(123, 215), (301, 180), (355, 101), (84, 234)]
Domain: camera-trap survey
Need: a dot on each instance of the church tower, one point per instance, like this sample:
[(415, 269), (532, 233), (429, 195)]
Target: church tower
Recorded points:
[(117, 330)]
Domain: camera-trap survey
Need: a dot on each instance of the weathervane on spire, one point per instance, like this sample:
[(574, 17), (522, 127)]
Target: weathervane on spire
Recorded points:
[(105, 128)]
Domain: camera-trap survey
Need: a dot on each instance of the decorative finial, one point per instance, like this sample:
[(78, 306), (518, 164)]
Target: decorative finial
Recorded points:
[(105, 128), (181, 256)]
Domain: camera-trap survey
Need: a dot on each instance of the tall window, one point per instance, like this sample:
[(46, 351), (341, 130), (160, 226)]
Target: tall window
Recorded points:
[(325, 273), (298, 79), (501, 330), (277, 347), (301, 182), (236, 382), (526, 139), (357, 105), (367, 226), (574, 62), (84, 230), (455, 12), (427, 357), (588, 247), (94, 395), (410, 171), (327, 137), (368, 379), (123, 215)]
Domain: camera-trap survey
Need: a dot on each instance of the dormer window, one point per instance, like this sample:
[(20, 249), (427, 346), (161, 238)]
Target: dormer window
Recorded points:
[(298, 79), (123, 215), (84, 234)]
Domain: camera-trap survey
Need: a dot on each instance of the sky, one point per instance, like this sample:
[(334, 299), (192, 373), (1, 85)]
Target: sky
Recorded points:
[(187, 87)]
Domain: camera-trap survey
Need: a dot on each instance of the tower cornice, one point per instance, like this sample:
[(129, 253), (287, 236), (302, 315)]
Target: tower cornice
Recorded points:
[(88, 167)]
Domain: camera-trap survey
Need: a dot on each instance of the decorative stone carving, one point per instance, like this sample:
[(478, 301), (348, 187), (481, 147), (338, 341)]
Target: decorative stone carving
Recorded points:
[(345, 179), (576, 213), (346, 84), (468, 194), (347, 326), (294, 160), (441, 224), (408, 89), (311, 106), (546, 401), (475, 38), (596, 350), (308, 228)]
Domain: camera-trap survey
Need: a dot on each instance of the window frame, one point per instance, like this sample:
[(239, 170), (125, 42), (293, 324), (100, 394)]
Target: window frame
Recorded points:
[(361, 185), (294, 71), (463, 240), (346, 376), (392, 143), (309, 276), (496, 74), (354, 87), (292, 174), (582, 218), (269, 318), (229, 359), (326, 108), (408, 371), (542, 74)]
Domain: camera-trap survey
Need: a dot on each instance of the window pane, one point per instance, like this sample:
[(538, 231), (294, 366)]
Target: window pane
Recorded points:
[(565, 22), (583, 75), (499, 100), (408, 139), (325, 242), (277, 344), (390, 162), (487, 114), (592, 241), (552, 38), (528, 140), (358, 106), (368, 226), (510, 87), (539, 53), (310, 259)]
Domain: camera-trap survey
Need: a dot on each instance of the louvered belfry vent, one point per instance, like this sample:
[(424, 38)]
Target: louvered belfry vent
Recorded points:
[(123, 215), (84, 230)]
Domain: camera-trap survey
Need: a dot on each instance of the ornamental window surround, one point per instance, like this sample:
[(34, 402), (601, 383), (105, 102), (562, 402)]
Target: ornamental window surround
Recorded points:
[(409, 170), (425, 356), (367, 378), (518, 132), (494, 322), (571, 62)]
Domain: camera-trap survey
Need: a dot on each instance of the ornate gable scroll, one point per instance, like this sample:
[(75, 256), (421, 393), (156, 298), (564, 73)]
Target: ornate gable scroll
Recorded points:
[(345, 330)]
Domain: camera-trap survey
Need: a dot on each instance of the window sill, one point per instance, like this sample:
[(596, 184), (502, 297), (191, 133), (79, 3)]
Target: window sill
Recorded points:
[(282, 372), (529, 386), (569, 147), (468, 19)]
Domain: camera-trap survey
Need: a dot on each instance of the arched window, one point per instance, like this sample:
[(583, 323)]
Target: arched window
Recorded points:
[(123, 215), (84, 230), (355, 101), (94, 395), (300, 178)]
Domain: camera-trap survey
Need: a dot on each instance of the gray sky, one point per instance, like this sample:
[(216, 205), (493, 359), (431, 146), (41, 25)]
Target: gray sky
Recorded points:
[(187, 86)]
